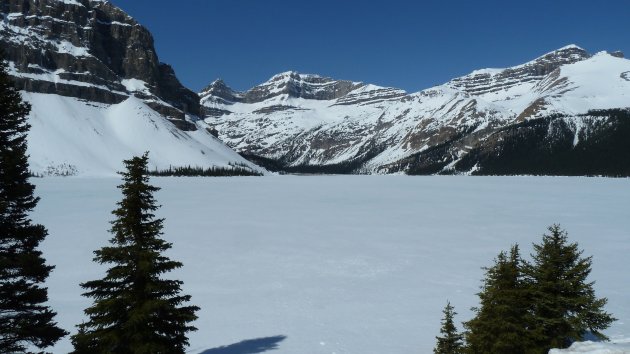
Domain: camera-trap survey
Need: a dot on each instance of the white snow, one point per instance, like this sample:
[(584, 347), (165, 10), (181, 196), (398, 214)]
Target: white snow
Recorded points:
[(66, 47), (595, 83), (71, 2), (339, 264), (136, 85), (615, 347), (93, 138)]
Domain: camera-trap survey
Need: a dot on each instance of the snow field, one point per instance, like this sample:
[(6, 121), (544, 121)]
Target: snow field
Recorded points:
[(338, 264), (95, 138)]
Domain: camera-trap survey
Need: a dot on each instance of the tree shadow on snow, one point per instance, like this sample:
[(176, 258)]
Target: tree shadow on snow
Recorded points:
[(250, 346)]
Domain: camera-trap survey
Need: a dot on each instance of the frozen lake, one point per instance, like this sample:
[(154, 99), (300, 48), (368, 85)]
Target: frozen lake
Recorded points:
[(339, 264)]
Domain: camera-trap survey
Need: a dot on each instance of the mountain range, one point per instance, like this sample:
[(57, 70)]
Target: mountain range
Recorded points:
[(100, 93), (545, 116)]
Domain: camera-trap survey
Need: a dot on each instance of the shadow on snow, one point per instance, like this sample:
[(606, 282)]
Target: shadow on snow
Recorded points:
[(250, 346)]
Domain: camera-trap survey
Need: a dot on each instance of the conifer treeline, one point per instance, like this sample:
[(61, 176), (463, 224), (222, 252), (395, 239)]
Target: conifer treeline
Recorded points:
[(531, 307), (196, 171)]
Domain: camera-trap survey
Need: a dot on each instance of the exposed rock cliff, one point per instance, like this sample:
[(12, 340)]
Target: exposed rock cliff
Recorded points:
[(92, 50)]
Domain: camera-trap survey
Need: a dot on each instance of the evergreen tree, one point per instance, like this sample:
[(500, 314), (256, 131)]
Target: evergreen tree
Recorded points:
[(565, 305), (450, 341), (25, 320), (503, 322), (134, 310)]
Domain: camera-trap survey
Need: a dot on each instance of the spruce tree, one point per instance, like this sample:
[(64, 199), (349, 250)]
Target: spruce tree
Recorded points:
[(135, 310), (25, 320), (450, 341), (503, 322), (565, 305)]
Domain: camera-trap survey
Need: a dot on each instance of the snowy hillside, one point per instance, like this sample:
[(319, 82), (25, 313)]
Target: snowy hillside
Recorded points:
[(99, 92), (367, 128), (71, 136), (616, 347), (339, 264)]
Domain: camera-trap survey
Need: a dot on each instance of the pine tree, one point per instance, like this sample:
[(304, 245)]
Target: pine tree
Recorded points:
[(25, 320), (503, 322), (565, 304), (134, 310), (450, 341)]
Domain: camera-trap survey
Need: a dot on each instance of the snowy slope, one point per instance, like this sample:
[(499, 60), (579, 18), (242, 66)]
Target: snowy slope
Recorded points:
[(339, 264), (616, 347), (99, 92), (380, 126), (71, 136)]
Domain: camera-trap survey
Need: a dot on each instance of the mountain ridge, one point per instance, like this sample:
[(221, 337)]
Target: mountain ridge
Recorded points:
[(371, 128), (94, 58)]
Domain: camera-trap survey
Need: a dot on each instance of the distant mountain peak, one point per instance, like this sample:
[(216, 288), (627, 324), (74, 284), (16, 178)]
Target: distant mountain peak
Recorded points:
[(216, 84), (570, 52), (484, 81), (569, 47), (218, 91)]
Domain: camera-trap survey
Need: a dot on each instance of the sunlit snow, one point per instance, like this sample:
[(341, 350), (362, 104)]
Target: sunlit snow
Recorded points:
[(339, 264)]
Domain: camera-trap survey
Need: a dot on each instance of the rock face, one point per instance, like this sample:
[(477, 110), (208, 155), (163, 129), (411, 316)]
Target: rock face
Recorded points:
[(99, 93), (496, 80), (287, 84), (92, 50), (308, 123)]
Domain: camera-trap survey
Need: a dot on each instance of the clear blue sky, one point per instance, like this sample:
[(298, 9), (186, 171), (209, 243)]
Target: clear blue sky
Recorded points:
[(409, 44)]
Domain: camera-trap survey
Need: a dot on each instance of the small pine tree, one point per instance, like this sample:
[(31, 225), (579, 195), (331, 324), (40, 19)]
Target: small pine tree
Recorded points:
[(25, 320), (565, 306), (450, 341), (502, 323), (134, 310)]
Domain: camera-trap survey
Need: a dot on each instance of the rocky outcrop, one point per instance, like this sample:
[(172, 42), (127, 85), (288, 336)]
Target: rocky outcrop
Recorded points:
[(89, 49), (494, 80), (289, 84)]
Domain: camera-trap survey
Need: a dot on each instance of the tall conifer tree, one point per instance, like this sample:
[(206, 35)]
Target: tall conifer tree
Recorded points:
[(135, 310), (564, 301), (449, 341), (503, 321), (25, 320)]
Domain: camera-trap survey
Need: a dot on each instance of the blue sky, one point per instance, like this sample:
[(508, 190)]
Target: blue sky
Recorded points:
[(409, 44)]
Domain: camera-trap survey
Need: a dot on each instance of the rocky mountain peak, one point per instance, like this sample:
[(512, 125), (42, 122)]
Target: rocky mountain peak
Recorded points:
[(617, 54), (218, 91), (486, 81), (88, 49), (566, 55), (289, 84)]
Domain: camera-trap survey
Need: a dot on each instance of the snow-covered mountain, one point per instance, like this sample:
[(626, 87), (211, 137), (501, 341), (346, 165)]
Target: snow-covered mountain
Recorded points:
[(311, 123), (99, 92), (100, 95)]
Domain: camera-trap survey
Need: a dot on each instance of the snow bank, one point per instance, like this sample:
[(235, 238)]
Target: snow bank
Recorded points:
[(615, 347)]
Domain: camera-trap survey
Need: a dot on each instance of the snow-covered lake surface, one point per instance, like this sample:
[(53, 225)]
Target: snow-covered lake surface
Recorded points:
[(340, 264)]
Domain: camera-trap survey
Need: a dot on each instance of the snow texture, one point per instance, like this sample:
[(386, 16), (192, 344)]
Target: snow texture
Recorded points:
[(616, 347), (69, 136), (338, 264)]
